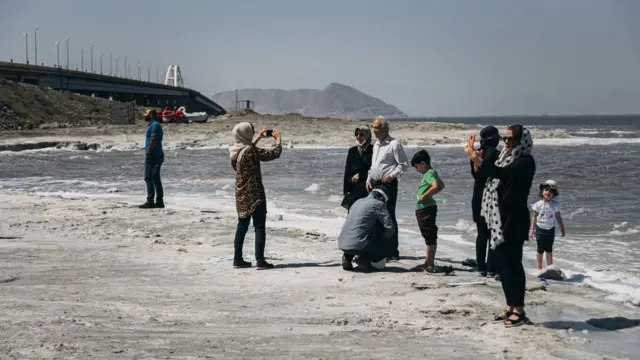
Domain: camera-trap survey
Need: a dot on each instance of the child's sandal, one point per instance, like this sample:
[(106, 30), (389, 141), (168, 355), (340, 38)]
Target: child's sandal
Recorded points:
[(520, 319)]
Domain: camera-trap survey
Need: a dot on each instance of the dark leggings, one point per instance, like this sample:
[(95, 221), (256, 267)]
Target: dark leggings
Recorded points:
[(484, 260), (508, 258), (259, 216)]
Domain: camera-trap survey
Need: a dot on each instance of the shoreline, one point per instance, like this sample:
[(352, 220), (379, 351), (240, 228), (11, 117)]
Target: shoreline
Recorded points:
[(96, 276), (303, 132)]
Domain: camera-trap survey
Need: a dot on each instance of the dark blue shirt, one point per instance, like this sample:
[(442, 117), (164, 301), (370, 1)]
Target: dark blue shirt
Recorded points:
[(154, 129)]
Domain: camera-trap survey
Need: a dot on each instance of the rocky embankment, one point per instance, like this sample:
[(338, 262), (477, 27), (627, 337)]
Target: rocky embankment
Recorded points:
[(29, 107)]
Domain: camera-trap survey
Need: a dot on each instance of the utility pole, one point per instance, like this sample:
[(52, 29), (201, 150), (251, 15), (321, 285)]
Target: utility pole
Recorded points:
[(68, 38), (91, 50), (58, 53), (110, 64), (116, 66), (125, 66), (100, 56), (26, 47), (35, 44), (82, 59)]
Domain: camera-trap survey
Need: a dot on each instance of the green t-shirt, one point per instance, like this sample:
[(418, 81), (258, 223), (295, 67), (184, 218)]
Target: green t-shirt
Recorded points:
[(427, 179)]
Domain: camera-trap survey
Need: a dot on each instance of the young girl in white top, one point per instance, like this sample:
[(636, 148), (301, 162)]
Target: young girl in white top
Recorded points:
[(546, 214)]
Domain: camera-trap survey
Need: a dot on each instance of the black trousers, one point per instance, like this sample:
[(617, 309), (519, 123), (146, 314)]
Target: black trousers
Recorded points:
[(391, 207), (508, 259), (484, 260)]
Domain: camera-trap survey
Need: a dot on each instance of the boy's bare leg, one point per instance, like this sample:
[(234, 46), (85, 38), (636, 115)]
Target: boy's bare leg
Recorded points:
[(431, 255), (539, 261), (549, 257)]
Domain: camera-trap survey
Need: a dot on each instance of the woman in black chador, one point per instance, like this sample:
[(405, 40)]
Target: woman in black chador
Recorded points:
[(357, 167), (506, 211)]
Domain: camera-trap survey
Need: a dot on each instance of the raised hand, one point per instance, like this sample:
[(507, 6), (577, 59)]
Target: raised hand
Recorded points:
[(468, 149)]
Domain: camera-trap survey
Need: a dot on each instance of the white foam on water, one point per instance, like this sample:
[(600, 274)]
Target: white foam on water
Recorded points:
[(312, 188)]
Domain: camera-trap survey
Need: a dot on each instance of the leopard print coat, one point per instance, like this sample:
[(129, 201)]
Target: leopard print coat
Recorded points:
[(249, 189)]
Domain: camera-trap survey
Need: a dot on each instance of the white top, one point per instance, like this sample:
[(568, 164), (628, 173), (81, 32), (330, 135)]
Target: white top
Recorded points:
[(546, 213), (388, 157)]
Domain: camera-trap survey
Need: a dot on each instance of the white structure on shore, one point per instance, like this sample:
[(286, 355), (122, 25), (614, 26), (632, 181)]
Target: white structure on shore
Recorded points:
[(174, 76)]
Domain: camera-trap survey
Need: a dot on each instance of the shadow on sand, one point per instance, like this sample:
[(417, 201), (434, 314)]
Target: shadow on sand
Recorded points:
[(304, 265), (595, 324)]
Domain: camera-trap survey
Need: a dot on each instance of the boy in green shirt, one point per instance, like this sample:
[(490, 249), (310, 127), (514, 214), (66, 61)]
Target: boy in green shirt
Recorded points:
[(426, 207)]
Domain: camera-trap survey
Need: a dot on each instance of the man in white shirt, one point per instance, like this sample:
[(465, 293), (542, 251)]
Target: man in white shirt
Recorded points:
[(388, 163)]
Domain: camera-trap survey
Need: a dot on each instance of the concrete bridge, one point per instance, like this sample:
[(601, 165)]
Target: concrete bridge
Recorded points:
[(144, 93)]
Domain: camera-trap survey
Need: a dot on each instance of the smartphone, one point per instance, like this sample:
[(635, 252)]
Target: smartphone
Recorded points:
[(268, 133)]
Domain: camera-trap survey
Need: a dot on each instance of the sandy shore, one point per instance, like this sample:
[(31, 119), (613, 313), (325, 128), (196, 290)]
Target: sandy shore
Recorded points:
[(304, 132), (83, 278)]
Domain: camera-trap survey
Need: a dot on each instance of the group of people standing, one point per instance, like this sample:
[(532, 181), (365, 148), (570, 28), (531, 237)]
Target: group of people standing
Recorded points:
[(502, 182), (369, 237)]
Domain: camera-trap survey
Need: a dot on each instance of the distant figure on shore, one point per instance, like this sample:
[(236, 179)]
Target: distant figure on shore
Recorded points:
[(154, 157), (505, 208), (546, 214), (489, 139), (357, 167), (367, 232), (388, 163), (251, 201)]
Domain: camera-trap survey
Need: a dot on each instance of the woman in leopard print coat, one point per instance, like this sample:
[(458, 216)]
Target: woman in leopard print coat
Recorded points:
[(251, 201)]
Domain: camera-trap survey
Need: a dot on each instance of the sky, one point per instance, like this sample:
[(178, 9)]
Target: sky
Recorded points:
[(427, 57)]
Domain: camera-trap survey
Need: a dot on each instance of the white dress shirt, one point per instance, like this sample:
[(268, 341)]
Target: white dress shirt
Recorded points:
[(388, 158)]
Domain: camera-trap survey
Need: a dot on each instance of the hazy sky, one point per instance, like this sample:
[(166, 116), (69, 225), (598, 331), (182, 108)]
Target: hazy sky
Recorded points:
[(440, 57)]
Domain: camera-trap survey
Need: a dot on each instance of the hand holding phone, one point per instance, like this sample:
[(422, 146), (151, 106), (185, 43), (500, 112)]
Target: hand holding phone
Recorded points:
[(268, 133)]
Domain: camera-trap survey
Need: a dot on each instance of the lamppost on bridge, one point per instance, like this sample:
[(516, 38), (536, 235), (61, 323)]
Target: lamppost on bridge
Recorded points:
[(129, 68), (35, 44), (125, 67), (149, 74), (157, 76), (100, 56), (58, 54), (68, 38), (139, 77), (110, 63), (91, 51), (26, 47), (116, 66), (82, 59)]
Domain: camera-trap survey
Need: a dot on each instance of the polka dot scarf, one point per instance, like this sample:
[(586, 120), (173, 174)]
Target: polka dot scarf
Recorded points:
[(490, 210)]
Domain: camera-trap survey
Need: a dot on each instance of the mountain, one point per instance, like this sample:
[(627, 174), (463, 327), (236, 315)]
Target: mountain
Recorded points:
[(336, 100)]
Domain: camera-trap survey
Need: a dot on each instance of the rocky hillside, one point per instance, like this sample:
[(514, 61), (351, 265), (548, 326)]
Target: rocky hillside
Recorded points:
[(25, 107), (336, 100)]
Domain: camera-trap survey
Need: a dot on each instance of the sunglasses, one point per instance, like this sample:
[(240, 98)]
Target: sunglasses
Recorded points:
[(361, 133), (507, 138)]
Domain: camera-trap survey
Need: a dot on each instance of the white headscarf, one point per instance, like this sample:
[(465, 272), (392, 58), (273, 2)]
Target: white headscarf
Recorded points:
[(242, 139), (490, 210)]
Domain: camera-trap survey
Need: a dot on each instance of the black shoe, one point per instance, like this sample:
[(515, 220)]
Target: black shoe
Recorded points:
[(159, 205), (364, 265), (393, 258), (147, 205), (264, 265), (241, 264), (346, 264)]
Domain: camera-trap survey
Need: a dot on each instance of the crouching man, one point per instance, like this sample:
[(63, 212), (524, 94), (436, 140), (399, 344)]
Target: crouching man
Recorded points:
[(367, 232)]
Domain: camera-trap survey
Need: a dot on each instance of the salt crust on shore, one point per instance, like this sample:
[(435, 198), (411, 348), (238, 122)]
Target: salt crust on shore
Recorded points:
[(95, 278)]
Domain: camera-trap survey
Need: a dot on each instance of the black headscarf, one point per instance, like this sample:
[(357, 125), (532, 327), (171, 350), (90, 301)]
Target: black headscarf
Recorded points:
[(489, 137)]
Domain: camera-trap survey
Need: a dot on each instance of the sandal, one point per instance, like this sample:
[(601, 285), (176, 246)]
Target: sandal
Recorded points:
[(520, 319), (503, 316), (437, 269)]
